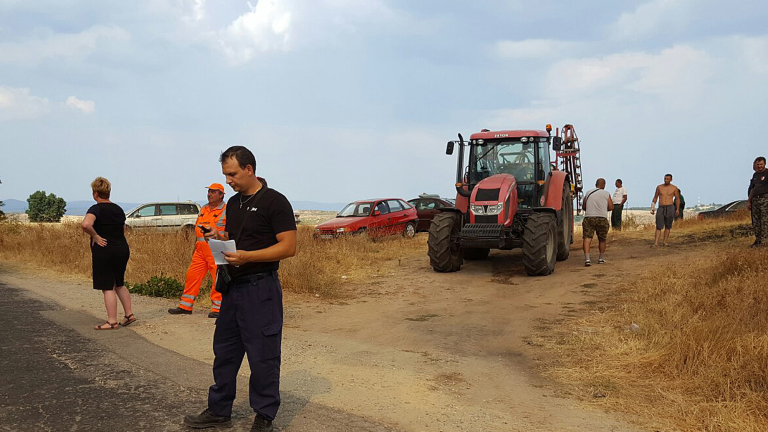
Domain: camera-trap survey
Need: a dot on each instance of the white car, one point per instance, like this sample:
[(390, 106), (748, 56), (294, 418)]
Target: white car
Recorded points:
[(167, 216)]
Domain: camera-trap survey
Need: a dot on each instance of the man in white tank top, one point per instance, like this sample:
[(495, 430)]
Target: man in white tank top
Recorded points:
[(597, 204)]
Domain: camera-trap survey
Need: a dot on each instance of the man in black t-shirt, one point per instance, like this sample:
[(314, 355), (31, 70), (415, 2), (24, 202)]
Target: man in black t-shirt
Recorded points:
[(758, 202), (261, 222)]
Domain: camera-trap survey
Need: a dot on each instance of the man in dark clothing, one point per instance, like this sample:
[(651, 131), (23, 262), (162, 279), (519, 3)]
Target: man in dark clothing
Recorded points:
[(758, 202), (261, 222), (680, 213)]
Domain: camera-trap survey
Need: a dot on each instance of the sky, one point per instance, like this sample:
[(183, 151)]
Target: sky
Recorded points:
[(350, 99)]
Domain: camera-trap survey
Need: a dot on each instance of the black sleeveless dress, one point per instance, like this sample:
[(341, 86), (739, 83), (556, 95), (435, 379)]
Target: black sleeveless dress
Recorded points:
[(109, 262)]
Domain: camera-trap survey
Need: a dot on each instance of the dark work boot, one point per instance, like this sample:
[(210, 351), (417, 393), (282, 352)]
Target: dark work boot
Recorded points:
[(213, 314), (207, 420), (262, 425), (179, 311)]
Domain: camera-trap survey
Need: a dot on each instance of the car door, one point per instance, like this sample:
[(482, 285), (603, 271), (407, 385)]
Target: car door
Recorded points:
[(144, 217), (381, 218), (169, 217), (397, 216)]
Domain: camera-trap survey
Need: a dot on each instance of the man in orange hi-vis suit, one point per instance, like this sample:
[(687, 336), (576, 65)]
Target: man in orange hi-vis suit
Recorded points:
[(212, 216)]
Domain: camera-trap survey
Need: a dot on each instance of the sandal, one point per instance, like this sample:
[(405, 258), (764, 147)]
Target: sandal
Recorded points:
[(128, 320), (112, 326)]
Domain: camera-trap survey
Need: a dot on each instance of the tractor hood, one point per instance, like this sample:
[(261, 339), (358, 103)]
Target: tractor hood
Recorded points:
[(493, 189)]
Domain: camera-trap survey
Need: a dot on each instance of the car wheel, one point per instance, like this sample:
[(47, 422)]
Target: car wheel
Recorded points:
[(410, 230)]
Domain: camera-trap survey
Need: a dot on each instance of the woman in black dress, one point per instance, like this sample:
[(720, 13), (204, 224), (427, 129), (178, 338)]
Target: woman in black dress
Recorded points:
[(105, 223)]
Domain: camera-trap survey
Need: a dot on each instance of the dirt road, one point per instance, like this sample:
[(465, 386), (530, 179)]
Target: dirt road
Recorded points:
[(414, 350)]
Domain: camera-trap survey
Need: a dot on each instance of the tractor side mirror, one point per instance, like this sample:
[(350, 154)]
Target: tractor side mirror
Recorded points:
[(449, 148), (557, 143)]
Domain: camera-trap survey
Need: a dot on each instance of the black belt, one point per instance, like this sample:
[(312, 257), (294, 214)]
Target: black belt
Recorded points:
[(244, 279)]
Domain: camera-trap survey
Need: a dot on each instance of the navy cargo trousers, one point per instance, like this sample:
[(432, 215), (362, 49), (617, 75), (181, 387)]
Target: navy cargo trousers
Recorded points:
[(250, 322)]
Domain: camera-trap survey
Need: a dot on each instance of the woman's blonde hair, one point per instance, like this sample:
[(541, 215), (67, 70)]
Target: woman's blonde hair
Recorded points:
[(102, 187)]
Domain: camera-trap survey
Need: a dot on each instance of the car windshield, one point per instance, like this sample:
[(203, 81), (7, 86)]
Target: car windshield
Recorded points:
[(504, 157), (356, 209)]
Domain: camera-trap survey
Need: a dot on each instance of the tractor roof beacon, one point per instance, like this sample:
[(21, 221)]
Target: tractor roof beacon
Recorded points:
[(510, 193)]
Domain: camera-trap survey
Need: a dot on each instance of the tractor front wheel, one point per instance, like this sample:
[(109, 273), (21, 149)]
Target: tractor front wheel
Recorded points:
[(540, 244), (445, 255)]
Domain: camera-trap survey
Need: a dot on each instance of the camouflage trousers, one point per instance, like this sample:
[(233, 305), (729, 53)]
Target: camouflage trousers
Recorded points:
[(760, 218)]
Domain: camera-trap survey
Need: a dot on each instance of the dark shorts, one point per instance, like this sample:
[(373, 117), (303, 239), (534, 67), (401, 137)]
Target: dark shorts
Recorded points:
[(665, 215), (109, 265), (591, 225)]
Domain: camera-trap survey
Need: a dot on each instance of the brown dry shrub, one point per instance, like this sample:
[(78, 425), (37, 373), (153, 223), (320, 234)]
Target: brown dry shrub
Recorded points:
[(317, 268)]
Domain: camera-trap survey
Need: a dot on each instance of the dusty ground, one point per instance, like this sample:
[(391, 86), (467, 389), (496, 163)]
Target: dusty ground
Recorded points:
[(415, 350)]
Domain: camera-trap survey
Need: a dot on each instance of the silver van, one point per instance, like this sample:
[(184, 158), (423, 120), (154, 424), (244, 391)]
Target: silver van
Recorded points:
[(167, 216)]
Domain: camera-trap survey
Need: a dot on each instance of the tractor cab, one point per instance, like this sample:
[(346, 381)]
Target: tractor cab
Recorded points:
[(526, 158)]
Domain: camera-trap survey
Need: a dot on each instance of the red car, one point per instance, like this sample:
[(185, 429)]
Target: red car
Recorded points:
[(427, 206), (374, 217)]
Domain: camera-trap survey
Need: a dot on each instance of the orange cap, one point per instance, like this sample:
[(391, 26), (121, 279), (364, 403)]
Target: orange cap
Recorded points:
[(216, 186)]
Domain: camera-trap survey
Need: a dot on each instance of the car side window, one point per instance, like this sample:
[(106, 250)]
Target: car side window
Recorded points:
[(168, 209), (382, 207), (430, 205), (405, 205), (738, 206), (395, 206), (146, 211), (188, 209)]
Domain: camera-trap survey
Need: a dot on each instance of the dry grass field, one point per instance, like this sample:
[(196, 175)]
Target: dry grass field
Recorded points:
[(321, 268), (697, 358), (695, 361)]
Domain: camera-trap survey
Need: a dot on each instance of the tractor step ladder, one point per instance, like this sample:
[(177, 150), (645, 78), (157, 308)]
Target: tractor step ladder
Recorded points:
[(569, 158)]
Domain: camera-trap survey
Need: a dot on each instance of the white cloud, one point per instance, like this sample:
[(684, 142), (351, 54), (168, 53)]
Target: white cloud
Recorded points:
[(674, 71), (85, 106), (531, 48), (652, 17), (754, 52), (59, 45), (19, 104), (266, 27)]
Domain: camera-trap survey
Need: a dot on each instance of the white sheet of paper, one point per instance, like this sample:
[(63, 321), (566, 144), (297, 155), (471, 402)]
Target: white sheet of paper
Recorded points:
[(218, 248)]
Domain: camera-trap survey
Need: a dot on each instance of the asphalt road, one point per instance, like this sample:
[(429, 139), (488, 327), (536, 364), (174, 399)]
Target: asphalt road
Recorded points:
[(57, 374)]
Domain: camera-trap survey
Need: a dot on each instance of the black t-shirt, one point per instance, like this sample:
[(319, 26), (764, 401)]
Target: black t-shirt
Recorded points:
[(759, 183), (110, 219), (266, 215)]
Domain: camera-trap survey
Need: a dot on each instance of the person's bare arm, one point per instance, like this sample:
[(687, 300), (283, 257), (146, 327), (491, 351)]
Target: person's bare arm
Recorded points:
[(655, 197), (584, 204), (623, 199), (284, 248), (749, 200), (87, 225), (610, 203), (215, 234)]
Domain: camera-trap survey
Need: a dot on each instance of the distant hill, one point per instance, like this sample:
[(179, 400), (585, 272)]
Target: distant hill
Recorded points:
[(78, 208)]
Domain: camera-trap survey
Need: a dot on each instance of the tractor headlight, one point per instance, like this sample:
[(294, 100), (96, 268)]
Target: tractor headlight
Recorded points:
[(495, 209), (477, 209)]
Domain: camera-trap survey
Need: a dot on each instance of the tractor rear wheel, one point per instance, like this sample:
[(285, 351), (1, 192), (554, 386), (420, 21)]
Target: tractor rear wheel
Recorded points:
[(445, 255), (476, 253), (540, 244), (565, 230)]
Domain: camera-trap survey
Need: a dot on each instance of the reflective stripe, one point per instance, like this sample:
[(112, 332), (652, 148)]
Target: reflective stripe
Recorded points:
[(200, 239), (220, 224), (183, 303), (191, 297), (216, 302)]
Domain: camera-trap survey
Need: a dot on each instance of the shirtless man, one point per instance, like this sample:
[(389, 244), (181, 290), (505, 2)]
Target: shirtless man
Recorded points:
[(668, 208)]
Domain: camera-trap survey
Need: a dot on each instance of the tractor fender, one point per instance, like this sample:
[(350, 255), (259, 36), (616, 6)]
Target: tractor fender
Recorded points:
[(549, 210), (554, 190)]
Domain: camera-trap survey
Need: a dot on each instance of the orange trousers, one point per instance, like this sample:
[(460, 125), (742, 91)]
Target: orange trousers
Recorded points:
[(202, 263)]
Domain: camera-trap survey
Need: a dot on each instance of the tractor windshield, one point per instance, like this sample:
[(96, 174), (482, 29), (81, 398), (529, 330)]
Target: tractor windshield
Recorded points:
[(503, 157)]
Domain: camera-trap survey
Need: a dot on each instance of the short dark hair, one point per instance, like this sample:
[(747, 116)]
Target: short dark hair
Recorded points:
[(670, 175), (619, 180), (759, 159), (242, 155)]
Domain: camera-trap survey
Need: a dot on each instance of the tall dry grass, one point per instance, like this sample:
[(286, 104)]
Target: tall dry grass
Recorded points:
[(699, 359), (317, 268)]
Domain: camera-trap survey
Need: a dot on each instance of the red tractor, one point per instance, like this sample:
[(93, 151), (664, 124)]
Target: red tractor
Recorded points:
[(510, 194)]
